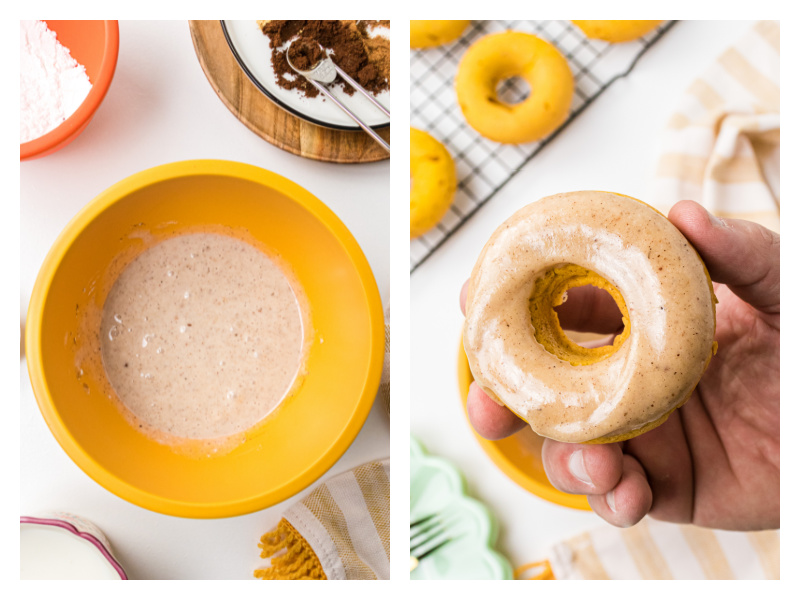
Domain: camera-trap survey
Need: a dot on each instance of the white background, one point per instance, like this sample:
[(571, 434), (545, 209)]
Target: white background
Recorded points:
[(161, 108)]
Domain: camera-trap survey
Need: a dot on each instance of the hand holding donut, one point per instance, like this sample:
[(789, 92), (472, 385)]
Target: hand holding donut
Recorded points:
[(716, 461)]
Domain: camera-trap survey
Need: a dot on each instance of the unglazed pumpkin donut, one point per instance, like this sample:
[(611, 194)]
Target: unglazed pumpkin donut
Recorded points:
[(433, 181), (520, 356), (616, 31), (426, 34), (500, 56)]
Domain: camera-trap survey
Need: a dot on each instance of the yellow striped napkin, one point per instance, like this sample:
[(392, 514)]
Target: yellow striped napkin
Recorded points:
[(339, 531), (658, 550), (722, 146)]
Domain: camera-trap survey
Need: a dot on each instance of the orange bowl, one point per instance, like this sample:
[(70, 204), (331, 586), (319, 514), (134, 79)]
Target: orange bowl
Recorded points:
[(520, 455), (95, 45), (298, 441)]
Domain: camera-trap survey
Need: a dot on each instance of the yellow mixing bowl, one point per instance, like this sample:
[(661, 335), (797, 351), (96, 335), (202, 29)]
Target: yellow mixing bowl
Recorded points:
[(520, 455), (308, 432)]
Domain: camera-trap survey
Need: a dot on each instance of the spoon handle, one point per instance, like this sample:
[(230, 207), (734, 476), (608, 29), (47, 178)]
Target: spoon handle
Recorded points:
[(356, 85), (367, 129)]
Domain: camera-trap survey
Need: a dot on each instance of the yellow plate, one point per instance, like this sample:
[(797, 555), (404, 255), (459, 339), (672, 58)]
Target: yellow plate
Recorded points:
[(301, 439), (520, 455)]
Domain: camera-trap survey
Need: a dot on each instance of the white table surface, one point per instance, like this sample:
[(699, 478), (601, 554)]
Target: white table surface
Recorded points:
[(612, 146), (161, 108)]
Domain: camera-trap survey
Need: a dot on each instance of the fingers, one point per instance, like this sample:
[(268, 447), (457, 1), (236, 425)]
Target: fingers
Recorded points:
[(615, 484), (629, 501), (743, 255), (588, 309), (490, 419), (664, 453), (582, 468)]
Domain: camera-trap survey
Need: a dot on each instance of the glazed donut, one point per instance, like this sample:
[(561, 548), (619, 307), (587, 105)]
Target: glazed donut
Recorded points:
[(500, 56), (520, 356), (433, 181), (426, 34), (616, 31)]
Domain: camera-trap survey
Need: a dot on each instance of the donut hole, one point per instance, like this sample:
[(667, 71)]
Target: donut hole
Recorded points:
[(589, 309), (590, 317), (513, 90)]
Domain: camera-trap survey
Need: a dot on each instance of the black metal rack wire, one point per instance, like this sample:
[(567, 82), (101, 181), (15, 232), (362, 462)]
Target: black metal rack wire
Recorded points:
[(483, 166)]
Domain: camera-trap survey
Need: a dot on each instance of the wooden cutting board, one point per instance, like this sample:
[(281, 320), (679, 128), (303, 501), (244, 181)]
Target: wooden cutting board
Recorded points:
[(266, 118)]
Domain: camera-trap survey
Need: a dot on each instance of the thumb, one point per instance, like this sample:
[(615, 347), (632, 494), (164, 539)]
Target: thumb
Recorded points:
[(741, 254)]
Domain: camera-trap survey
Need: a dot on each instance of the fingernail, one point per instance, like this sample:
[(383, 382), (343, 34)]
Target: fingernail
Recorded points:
[(610, 501), (578, 468), (716, 221)]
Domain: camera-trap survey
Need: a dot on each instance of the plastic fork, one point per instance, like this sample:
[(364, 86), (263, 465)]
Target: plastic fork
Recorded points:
[(427, 536)]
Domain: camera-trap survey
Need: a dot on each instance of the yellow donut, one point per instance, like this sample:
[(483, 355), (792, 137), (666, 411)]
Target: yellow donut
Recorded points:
[(500, 56), (616, 31), (520, 356), (426, 34), (433, 181)]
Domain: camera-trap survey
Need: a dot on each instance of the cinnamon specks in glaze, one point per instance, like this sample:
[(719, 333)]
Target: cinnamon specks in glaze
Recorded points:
[(202, 336)]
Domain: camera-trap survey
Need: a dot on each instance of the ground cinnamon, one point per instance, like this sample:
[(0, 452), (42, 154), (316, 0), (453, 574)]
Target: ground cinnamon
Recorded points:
[(348, 43), (305, 54)]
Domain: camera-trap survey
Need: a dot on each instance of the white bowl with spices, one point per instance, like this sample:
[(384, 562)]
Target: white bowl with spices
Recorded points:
[(253, 50)]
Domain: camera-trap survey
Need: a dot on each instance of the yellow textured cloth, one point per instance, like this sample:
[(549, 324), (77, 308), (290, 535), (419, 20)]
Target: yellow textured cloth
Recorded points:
[(339, 531), (722, 146), (657, 550)]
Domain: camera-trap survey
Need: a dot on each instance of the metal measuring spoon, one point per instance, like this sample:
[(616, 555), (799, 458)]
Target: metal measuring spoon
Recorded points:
[(323, 73)]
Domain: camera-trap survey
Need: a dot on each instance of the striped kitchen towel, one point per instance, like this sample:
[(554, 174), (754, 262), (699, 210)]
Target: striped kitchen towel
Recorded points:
[(658, 550), (722, 147), (339, 531)]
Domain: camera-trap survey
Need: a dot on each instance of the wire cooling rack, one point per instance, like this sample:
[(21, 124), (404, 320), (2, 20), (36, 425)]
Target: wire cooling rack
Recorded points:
[(485, 166)]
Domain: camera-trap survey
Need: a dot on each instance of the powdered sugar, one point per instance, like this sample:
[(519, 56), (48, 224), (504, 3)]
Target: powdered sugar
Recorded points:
[(52, 84)]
